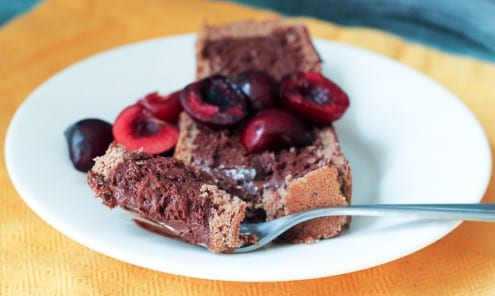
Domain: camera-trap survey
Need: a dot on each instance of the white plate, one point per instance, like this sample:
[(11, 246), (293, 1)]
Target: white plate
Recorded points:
[(408, 140)]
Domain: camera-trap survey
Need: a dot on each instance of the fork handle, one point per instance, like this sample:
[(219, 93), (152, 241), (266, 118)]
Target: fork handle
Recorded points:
[(272, 229), (467, 212)]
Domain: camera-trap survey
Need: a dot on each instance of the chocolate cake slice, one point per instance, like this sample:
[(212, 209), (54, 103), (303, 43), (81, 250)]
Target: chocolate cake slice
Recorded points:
[(271, 46), (167, 192), (272, 184), (213, 183)]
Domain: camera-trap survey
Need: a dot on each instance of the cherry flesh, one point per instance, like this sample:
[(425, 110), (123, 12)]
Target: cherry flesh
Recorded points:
[(313, 97), (214, 101), (136, 128)]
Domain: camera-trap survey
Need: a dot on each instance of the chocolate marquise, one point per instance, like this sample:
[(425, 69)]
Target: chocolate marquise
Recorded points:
[(167, 192), (212, 183)]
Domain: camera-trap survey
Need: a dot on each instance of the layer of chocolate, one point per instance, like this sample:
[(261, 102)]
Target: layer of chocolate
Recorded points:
[(220, 154), (279, 53), (160, 189)]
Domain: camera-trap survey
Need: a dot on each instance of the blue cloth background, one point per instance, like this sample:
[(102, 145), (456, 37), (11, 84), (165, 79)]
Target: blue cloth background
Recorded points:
[(12, 8), (458, 26)]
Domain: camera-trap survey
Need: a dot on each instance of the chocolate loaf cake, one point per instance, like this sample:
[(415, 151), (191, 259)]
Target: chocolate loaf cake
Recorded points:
[(213, 183), (167, 192), (271, 46), (273, 184)]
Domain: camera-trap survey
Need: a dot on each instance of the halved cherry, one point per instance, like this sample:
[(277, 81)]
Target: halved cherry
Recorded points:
[(137, 128), (314, 97), (165, 108), (274, 129), (215, 101)]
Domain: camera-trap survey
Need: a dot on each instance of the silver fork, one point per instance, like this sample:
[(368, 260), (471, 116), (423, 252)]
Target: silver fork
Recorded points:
[(268, 231)]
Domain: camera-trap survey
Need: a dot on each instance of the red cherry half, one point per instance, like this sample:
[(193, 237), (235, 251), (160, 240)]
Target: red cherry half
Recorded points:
[(215, 101), (137, 128), (313, 97), (165, 108)]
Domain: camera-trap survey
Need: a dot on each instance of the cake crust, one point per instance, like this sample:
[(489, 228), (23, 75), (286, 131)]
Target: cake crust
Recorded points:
[(317, 189)]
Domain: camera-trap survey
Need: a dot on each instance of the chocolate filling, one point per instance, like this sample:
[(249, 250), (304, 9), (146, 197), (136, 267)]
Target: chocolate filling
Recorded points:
[(231, 56), (165, 191), (221, 155)]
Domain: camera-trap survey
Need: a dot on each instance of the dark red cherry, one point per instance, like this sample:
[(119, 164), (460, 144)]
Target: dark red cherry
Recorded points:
[(260, 88), (274, 129), (313, 97), (215, 101), (136, 128), (165, 108), (87, 139)]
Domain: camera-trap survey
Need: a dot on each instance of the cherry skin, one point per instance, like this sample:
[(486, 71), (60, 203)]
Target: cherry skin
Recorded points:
[(87, 139), (274, 129), (260, 88)]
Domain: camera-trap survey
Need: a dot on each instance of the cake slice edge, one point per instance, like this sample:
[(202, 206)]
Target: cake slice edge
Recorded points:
[(225, 214)]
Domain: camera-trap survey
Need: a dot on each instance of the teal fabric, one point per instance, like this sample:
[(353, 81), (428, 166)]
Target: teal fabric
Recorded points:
[(458, 26), (11, 8)]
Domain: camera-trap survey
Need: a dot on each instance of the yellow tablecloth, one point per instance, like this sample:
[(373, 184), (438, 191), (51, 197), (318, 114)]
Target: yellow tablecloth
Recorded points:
[(35, 259)]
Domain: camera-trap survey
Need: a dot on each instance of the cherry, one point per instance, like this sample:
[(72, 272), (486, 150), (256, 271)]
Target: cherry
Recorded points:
[(274, 129), (165, 108), (260, 88), (87, 139), (214, 101), (136, 128), (313, 97)]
